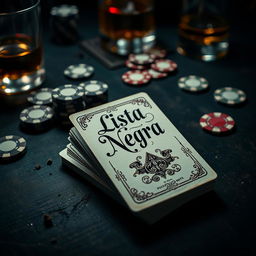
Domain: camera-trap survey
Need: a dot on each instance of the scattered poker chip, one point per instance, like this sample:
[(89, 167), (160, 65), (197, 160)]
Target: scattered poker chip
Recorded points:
[(131, 65), (78, 71), (193, 83), (164, 65), (141, 58), (64, 11), (11, 147), (156, 75), (160, 53), (136, 77), (96, 92), (229, 95), (36, 118), (217, 122), (40, 97), (67, 92)]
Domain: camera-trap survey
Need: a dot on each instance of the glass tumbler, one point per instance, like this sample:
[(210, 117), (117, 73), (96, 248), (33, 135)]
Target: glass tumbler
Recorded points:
[(203, 29), (21, 54), (127, 26)]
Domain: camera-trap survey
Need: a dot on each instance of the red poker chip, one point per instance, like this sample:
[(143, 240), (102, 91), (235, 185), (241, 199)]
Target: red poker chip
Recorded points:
[(135, 77), (217, 122), (160, 53), (164, 65), (131, 65), (141, 58), (156, 75)]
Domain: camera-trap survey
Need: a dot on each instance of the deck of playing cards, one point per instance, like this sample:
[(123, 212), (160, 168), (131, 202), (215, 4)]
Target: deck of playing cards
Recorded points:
[(131, 150)]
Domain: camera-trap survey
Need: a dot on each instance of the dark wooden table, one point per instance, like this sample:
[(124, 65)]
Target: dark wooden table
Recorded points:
[(87, 222)]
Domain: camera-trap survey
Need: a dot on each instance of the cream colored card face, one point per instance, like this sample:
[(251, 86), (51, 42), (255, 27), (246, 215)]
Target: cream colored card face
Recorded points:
[(144, 155)]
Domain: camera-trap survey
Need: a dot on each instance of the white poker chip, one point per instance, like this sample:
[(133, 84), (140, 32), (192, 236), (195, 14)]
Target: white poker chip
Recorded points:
[(64, 11), (164, 65), (67, 92), (40, 97), (141, 58), (156, 75), (11, 147), (136, 77), (229, 95), (193, 83), (79, 71)]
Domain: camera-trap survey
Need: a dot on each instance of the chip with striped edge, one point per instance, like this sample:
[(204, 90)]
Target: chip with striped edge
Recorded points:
[(164, 65), (79, 71), (229, 95), (94, 87), (157, 75), (193, 83), (136, 77), (36, 118), (217, 122), (11, 147), (141, 58), (67, 92), (131, 65), (41, 97)]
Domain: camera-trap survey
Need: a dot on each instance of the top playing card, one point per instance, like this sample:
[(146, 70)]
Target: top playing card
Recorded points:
[(144, 155)]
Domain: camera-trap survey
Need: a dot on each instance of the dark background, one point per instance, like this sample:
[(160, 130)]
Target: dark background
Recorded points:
[(87, 222)]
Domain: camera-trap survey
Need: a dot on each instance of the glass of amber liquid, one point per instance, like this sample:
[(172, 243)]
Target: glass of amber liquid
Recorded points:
[(203, 30), (127, 25), (21, 57)]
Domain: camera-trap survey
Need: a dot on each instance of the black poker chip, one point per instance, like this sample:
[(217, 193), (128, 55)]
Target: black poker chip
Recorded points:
[(193, 83), (11, 147), (79, 71), (96, 92), (36, 118), (41, 97), (229, 95), (67, 92)]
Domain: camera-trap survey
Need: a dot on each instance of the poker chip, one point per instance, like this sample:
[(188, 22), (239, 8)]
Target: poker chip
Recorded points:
[(131, 65), (64, 11), (217, 122), (67, 92), (164, 65), (40, 97), (141, 58), (67, 99), (157, 52), (78, 71), (229, 95), (96, 92), (136, 77), (11, 147), (193, 83), (156, 75), (36, 118)]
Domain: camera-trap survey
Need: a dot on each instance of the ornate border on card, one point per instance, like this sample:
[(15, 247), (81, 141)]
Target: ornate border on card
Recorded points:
[(83, 120), (142, 196)]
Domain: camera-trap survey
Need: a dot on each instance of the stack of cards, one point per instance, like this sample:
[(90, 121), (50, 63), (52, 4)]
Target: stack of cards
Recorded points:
[(131, 150)]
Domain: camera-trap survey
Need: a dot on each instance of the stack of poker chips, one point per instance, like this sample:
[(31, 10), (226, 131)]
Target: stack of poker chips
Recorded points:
[(67, 99), (96, 92), (37, 118), (64, 24)]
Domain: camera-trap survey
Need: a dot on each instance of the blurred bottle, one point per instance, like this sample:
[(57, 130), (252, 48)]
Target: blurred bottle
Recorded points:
[(127, 26), (203, 30)]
